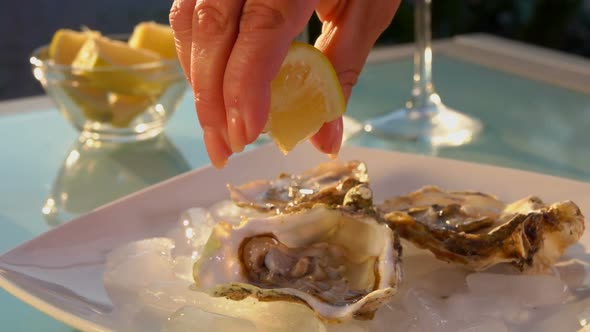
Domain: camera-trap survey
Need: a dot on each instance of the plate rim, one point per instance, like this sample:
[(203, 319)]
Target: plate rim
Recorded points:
[(49, 309)]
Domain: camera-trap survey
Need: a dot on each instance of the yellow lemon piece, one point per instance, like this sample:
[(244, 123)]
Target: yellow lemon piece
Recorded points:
[(66, 43), (154, 37), (104, 52), (305, 94), (105, 63), (127, 108), (93, 102)]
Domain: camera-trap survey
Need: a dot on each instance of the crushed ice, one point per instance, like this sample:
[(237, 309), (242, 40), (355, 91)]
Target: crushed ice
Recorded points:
[(149, 282)]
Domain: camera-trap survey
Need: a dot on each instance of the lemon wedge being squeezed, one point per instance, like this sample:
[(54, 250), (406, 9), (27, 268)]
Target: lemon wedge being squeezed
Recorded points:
[(305, 94)]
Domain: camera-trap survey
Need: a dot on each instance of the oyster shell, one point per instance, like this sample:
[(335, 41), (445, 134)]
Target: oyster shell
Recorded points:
[(341, 262), (326, 183), (479, 231)]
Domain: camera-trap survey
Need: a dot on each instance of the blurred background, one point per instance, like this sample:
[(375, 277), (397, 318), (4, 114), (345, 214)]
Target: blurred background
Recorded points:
[(562, 25)]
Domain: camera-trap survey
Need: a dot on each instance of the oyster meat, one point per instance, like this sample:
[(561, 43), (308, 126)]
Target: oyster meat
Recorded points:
[(326, 183), (478, 230), (339, 261)]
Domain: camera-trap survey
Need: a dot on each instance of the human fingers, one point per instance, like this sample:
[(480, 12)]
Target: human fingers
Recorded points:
[(204, 32), (214, 30), (349, 31), (329, 138), (267, 28), (181, 22)]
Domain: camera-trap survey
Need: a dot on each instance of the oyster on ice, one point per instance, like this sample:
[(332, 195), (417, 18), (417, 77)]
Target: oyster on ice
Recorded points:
[(326, 183), (341, 262), (479, 231)]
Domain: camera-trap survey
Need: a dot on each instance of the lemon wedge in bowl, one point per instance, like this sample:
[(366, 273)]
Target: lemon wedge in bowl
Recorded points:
[(66, 43), (305, 94), (110, 64), (155, 37), (108, 89), (100, 52)]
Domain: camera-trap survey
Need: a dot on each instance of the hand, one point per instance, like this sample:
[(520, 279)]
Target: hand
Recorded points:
[(230, 50)]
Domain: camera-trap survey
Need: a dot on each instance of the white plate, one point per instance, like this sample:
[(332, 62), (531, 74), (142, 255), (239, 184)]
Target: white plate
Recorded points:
[(60, 272)]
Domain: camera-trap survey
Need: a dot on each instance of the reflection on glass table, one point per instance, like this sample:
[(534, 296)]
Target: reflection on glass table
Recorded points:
[(425, 117), (95, 173)]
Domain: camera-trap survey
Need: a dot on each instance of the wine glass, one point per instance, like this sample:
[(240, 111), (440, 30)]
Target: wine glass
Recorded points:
[(425, 117)]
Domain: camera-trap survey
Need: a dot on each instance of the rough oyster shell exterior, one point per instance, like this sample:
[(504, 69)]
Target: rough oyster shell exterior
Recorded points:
[(479, 231)]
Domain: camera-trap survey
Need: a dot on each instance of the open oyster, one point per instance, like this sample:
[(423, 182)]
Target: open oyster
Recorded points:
[(326, 183), (479, 231), (339, 261)]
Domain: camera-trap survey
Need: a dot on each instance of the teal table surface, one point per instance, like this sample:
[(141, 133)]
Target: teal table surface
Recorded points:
[(47, 177)]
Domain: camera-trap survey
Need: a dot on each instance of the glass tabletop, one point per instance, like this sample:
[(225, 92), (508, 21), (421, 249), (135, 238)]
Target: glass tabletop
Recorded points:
[(528, 124)]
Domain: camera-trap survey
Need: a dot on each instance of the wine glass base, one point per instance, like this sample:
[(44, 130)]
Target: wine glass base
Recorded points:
[(436, 125)]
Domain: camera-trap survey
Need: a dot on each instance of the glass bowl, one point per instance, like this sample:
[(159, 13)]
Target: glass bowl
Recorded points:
[(116, 103)]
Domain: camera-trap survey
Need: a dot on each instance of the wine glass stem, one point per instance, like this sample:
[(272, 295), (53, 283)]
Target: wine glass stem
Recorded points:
[(423, 94)]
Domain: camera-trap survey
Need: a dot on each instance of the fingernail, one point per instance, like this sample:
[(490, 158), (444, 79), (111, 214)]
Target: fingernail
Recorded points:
[(219, 163), (217, 149), (335, 142), (252, 127), (236, 130)]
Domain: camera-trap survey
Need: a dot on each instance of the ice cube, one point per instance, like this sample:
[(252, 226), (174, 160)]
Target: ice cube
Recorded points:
[(573, 272), (169, 296), (267, 316), (553, 318), (468, 307), (144, 319), (531, 290), (227, 211), (422, 266), (391, 318), (442, 282), (160, 245), (230, 213), (428, 310), (190, 318), (132, 267), (195, 227), (486, 325), (183, 268)]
